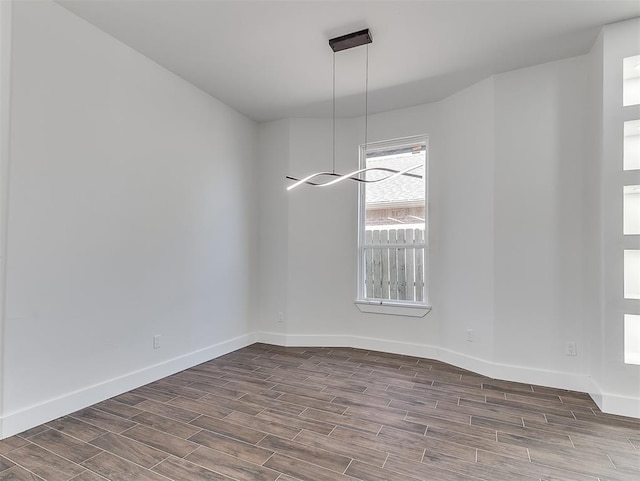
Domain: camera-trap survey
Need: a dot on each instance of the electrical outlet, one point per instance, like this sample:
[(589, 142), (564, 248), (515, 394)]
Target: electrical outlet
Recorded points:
[(156, 341), (280, 317), (571, 349), (469, 335)]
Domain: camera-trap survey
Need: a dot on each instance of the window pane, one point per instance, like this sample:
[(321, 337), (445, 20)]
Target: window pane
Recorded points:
[(631, 206), (398, 202), (631, 81), (631, 156), (631, 339), (632, 274), (394, 218)]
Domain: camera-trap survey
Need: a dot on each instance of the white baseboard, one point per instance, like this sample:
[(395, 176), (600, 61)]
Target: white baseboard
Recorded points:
[(607, 402), (18, 421), (614, 403), (621, 405)]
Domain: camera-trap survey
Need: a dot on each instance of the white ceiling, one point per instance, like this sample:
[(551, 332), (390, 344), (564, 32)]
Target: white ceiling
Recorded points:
[(270, 58)]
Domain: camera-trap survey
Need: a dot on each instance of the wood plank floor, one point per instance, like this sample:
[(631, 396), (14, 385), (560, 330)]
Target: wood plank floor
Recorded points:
[(266, 413)]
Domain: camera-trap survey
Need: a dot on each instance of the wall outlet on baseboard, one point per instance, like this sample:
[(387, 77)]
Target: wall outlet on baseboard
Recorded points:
[(156, 341), (280, 317), (469, 335), (571, 349)]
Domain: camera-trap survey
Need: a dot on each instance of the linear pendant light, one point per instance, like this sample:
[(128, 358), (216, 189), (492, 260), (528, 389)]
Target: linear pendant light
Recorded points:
[(326, 179)]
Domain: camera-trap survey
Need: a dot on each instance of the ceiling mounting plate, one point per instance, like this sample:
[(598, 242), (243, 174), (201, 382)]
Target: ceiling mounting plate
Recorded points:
[(351, 40)]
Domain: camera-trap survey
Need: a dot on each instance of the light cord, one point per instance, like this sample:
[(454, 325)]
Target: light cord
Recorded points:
[(366, 104), (334, 113)]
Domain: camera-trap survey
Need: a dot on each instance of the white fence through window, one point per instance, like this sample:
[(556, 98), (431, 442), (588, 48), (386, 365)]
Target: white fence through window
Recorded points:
[(394, 264)]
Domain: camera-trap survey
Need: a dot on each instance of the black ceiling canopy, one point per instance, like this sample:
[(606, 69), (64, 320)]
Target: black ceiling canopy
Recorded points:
[(350, 40)]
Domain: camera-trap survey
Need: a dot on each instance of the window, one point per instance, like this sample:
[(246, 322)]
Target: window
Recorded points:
[(631, 210), (393, 234), (631, 145), (631, 207), (631, 81), (632, 339), (631, 274)]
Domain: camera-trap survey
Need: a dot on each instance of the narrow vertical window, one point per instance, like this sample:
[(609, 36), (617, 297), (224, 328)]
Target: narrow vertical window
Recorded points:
[(631, 274), (631, 146), (631, 81), (632, 339), (393, 223), (631, 209)]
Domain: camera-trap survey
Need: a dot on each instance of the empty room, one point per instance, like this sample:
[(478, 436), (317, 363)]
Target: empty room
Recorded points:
[(304, 240)]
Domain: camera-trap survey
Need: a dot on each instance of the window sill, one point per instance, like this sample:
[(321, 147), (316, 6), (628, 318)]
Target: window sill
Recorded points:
[(395, 309)]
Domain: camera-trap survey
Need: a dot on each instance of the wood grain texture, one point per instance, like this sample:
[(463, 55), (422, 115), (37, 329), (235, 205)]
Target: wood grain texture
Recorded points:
[(114, 468), (88, 476), (17, 473), (174, 468), (44, 463), (268, 413), (65, 446), (5, 464), (160, 440), (129, 449), (76, 428)]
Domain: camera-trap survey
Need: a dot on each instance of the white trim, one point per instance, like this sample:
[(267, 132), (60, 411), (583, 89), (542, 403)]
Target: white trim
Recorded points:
[(607, 402), (31, 416), (395, 309), (392, 204), (417, 245), (620, 405), (495, 370), (611, 403)]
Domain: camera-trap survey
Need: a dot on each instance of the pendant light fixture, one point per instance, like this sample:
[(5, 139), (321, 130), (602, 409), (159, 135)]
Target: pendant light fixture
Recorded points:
[(326, 179)]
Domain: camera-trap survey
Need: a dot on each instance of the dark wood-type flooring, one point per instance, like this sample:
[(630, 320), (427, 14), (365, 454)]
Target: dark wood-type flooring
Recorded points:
[(267, 413)]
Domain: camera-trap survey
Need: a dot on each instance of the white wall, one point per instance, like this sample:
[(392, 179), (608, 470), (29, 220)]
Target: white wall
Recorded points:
[(540, 151), (131, 212), (592, 216), (271, 268), (464, 179), (509, 208), (321, 233)]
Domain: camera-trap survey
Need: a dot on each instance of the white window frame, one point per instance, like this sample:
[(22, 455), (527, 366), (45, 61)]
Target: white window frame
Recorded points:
[(391, 306)]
